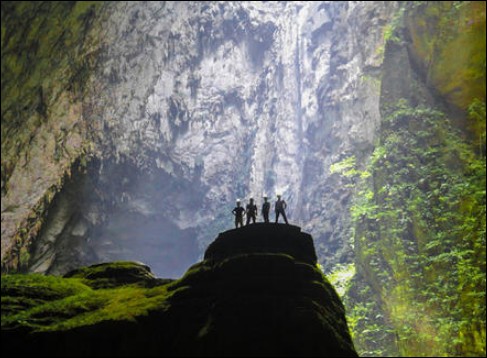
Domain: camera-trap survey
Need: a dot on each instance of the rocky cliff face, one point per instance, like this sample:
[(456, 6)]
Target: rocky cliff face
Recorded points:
[(129, 129), (181, 108), (419, 246), (257, 293)]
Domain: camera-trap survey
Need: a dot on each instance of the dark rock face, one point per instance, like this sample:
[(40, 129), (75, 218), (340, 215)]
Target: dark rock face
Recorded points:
[(266, 296), (263, 238), (260, 297)]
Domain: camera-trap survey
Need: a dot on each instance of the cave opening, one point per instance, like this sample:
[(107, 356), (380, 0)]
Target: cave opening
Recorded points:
[(110, 211)]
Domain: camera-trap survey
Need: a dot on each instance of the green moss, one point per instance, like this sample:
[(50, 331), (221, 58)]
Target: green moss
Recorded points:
[(448, 40), (224, 306), (46, 303), (48, 50), (40, 286), (124, 303), (23, 292)]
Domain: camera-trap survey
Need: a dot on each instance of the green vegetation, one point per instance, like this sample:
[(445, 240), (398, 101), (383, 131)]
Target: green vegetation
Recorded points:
[(49, 52), (418, 214), (448, 42), (114, 274), (228, 304), (390, 30), (51, 303), (476, 118), (345, 167), (419, 220), (341, 278)]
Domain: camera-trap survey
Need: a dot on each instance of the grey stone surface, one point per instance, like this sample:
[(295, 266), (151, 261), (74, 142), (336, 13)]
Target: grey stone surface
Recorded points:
[(221, 100)]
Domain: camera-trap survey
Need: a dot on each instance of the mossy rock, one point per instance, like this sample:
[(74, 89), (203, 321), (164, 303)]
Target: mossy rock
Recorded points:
[(113, 274), (247, 304), (22, 292), (448, 43)]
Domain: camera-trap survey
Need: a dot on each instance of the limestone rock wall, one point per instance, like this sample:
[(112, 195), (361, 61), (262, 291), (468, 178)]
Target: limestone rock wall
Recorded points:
[(213, 101)]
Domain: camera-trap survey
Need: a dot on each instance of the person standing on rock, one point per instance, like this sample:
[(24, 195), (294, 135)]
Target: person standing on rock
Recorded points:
[(281, 209), (266, 207), (251, 211), (238, 212)]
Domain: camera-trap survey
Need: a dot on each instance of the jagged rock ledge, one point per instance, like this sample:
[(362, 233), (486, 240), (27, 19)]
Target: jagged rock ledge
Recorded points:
[(257, 293)]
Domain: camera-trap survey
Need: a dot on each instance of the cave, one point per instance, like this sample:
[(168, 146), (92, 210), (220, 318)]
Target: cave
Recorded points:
[(130, 129), (108, 211)]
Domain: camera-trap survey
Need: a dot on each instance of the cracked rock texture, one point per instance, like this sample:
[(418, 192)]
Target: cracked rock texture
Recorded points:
[(124, 119)]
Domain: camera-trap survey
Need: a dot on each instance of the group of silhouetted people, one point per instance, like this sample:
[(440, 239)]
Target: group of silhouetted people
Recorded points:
[(250, 211)]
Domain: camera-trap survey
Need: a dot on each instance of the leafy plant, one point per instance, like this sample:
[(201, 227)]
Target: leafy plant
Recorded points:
[(419, 224)]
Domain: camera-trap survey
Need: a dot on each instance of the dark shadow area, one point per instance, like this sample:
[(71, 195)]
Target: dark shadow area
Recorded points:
[(258, 293)]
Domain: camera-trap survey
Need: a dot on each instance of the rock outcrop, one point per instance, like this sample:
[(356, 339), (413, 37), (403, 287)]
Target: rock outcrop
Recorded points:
[(257, 293), (129, 128)]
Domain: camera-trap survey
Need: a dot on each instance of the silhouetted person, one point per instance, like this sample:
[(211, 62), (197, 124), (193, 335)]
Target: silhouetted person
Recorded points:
[(266, 207), (238, 211), (281, 209), (251, 211)]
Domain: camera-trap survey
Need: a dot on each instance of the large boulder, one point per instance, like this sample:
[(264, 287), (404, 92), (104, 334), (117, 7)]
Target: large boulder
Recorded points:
[(257, 293)]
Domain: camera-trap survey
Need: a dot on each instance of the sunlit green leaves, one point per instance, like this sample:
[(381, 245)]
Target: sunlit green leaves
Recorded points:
[(421, 212), (346, 167)]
